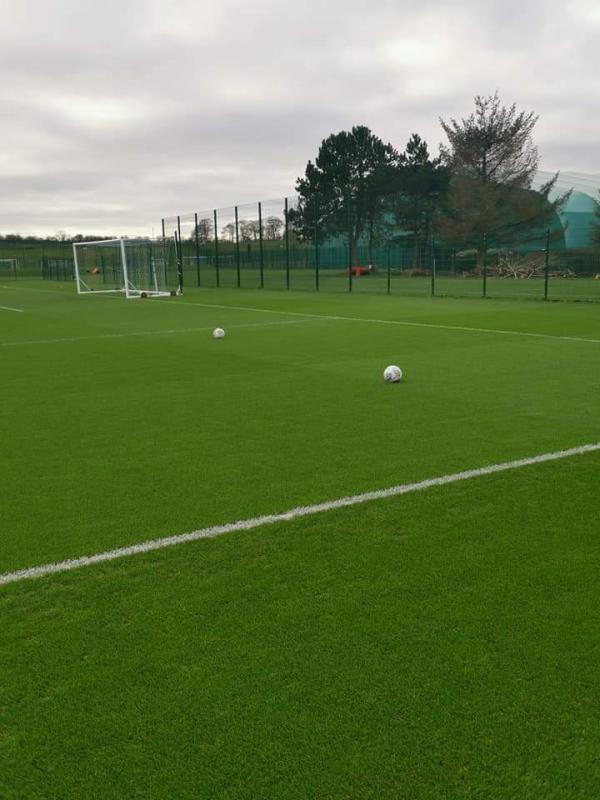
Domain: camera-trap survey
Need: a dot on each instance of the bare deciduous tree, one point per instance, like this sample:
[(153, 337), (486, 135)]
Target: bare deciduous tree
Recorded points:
[(249, 230), (205, 230), (273, 228), (228, 232), (492, 160)]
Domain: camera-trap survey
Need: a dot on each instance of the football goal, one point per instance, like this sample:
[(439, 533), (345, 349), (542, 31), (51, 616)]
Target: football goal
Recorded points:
[(8, 267), (133, 267)]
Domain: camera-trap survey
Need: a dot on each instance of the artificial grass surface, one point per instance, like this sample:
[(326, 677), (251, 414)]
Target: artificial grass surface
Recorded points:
[(115, 439), (436, 645), (439, 645)]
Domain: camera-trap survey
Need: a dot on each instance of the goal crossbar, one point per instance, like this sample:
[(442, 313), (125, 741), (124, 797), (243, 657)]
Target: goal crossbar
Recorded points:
[(137, 268)]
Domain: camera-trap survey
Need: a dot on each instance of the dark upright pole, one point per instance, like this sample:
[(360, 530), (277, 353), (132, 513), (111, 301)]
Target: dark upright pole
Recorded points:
[(260, 247), (217, 276), (432, 267), (350, 265), (546, 263), (179, 260), (317, 244), (485, 265), (287, 246), (237, 247)]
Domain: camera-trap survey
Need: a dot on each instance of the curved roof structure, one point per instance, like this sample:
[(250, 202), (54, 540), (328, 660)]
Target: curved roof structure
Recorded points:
[(579, 212)]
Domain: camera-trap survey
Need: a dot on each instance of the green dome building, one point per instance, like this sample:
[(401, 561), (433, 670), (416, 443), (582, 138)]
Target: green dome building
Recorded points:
[(579, 214)]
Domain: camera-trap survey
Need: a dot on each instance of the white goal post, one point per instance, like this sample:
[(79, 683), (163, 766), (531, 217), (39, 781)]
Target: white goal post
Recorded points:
[(134, 267)]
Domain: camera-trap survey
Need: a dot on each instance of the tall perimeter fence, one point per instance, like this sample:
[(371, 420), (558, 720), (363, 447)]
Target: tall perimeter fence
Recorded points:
[(52, 260), (340, 247), (279, 244)]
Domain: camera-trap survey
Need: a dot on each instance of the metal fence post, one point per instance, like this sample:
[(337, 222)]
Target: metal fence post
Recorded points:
[(287, 244), (180, 259), (261, 260), (546, 263), (389, 271), (237, 247), (317, 244), (484, 265), (197, 248), (432, 266), (349, 222), (217, 275)]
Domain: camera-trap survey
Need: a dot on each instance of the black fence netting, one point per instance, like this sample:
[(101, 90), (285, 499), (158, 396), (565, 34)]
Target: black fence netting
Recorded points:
[(362, 245)]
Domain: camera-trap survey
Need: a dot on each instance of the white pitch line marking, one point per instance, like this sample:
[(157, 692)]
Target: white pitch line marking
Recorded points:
[(286, 516), (39, 291), (356, 319), (401, 322), (168, 332), (10, 308)]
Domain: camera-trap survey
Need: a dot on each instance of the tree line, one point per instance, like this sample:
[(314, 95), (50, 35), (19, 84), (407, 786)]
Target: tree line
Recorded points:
[(249, 230), (477, 193), (59, 236)]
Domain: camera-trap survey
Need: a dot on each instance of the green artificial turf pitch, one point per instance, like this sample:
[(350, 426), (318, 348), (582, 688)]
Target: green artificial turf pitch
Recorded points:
[(442, 644)]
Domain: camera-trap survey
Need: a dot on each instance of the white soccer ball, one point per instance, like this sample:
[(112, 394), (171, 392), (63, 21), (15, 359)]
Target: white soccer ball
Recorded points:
[(218, 333), (392, 374)]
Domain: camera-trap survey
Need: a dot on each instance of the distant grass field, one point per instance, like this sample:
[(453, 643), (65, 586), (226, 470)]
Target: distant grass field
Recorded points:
[(581, 288), (442, 644), (29, 257)]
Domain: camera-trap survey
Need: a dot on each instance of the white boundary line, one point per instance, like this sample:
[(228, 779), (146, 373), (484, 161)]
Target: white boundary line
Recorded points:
[(35, 289), (10, 308), (286, 516), (400, 322), (167, 332), (358, 319)]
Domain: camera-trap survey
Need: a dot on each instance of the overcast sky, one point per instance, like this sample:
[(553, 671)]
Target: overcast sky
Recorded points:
[(118, 112)]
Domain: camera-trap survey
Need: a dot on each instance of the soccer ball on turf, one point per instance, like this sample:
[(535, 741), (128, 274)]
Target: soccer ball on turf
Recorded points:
[(392, 374), (218, 333)]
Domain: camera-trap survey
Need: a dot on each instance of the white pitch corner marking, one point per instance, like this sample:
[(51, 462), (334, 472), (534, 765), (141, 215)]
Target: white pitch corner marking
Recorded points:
[(286, 516), (10, 308)]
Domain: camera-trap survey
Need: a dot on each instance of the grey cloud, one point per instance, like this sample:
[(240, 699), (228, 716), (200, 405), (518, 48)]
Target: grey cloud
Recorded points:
[(117, 113)]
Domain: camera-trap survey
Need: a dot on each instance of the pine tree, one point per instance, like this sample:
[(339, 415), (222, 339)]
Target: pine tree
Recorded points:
[(340, 194), (421, 184)]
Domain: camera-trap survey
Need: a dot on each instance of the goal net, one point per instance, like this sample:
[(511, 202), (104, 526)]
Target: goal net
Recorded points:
[(133, 267), (8, 267)]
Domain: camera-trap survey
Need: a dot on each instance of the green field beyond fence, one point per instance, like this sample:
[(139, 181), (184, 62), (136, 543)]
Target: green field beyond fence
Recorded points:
[(22, 259)]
